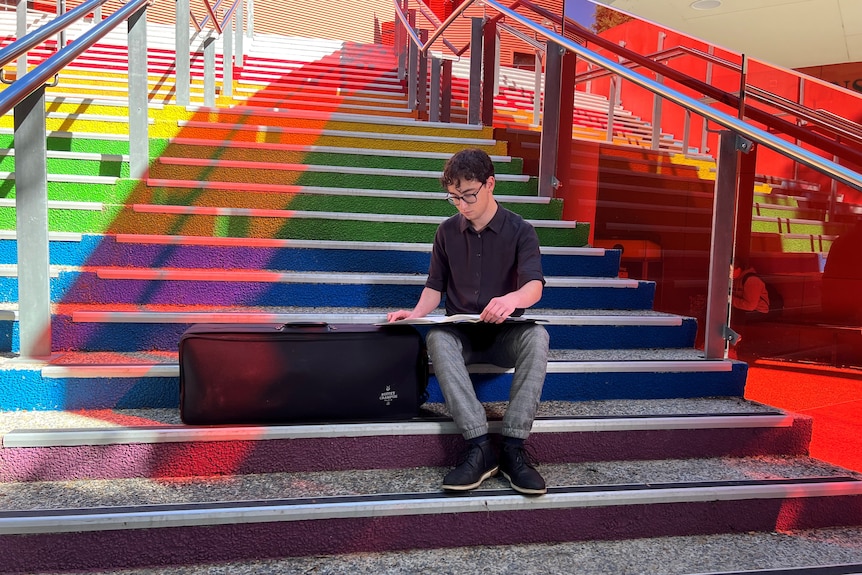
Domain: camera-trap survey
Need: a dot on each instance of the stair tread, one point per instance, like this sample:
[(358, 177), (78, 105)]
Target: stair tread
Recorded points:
[(56, 420), (143, 358), (614, 478), (229, 314), (836, 550)]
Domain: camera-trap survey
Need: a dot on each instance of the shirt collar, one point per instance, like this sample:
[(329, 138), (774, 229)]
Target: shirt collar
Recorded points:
[(494, 225)]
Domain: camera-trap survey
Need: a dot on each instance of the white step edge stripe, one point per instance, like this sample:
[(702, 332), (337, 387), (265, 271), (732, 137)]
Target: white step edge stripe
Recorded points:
[(96, 101), (329, 278), (59, 205), (70, 178), (264, 318), (80, 135), (322, 244), (316, 168), (173, 370), (52, 236), (274, 97), (325, 149), (330, 191), (183, 433), (337, 133), (355, 216), (54, 154), (11, 270), (141, 518), (262, 112)]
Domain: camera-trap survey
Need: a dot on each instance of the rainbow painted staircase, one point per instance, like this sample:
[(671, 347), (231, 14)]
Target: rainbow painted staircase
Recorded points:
[(315, 196)]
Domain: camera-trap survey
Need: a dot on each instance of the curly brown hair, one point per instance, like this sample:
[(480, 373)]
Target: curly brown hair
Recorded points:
[(468, 164)]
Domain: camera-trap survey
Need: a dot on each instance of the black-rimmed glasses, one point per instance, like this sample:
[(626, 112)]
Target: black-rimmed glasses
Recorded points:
[(469, 197)]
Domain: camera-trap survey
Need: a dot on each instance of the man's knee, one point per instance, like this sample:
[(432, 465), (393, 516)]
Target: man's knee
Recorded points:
[(439, 339), (536, 337)]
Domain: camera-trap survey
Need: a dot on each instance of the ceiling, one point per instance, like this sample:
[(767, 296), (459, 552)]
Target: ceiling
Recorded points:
[(788, 33)]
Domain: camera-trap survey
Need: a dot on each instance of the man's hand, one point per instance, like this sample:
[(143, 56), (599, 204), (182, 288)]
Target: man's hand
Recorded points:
[(498, 309), (396, 315)]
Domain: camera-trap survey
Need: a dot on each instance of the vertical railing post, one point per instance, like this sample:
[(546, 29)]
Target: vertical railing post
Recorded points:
[(434, 91), (240, 33), (537, 89), (20, 32), (250, 15), (657, 101), (182, 43), (422, 80), (139, 138), (475, 96), (227, 59), (716, 329), (565, 122), (412, 65), (612, 104), (31, 221), (209, 70), (489, 58), (446, 92), (400, 45), (550, 121), (704, 133), (61, 39)]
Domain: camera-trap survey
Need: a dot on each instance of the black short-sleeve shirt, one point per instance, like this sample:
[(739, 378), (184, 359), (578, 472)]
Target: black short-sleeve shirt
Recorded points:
[(471, 268)]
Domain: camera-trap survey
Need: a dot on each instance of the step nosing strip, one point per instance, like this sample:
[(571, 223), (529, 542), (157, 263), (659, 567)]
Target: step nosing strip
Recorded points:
[(317, 168), (413, 504), (324, 132), (323, 278), (180, 140), (25, 438), (108, 316), (328, 190), (322, 244), (554, 366)]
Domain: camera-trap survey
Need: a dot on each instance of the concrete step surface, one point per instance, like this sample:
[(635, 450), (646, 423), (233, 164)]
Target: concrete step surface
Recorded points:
[(830, 551)]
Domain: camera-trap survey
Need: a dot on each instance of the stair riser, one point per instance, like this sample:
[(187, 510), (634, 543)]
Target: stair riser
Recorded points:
[(123, 220), (27, 389), (269, 175), (70, 336), (94, 250), (432, 204), (312, 158), (87, 288), (259, 541), (202, 459)]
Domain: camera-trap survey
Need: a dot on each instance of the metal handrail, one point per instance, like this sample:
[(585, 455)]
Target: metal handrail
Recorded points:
[(731, 100), (219, 26), (742, 128), (42, 33), (435, 21), (28, 83)]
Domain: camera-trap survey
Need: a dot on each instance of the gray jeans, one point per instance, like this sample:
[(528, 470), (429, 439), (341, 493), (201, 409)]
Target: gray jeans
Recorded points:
[(523, 346)]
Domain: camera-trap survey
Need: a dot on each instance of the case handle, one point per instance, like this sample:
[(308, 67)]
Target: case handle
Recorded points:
[(321, 325)]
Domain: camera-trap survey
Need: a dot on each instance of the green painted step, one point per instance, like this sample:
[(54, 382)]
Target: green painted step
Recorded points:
[(394, 161), (77, 166), (433, 205), (77, 143), (782, 225), (124, 220), (300, 177), (118, 193)]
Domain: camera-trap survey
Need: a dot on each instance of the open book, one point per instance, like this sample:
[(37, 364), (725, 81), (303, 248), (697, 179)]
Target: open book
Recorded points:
[(457, 318)]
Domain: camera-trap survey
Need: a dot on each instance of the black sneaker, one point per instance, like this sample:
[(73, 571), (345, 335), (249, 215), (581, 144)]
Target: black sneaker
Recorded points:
[(517, 465), (478, 464)]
